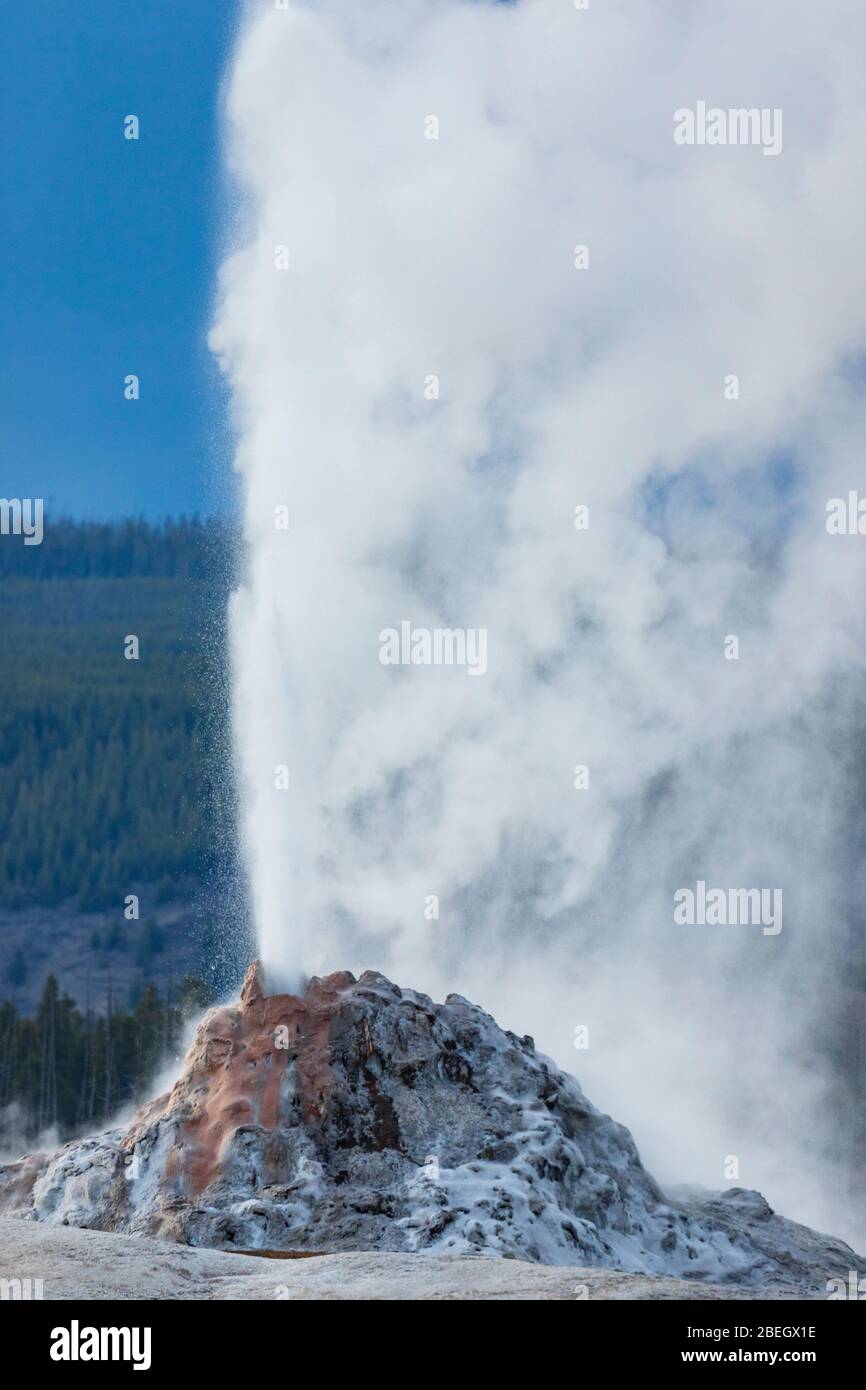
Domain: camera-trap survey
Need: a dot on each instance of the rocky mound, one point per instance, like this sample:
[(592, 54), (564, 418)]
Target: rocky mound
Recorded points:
[(359, 1116)]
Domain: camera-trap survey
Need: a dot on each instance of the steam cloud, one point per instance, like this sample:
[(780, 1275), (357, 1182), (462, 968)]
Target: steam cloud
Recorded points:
[(411, 257)]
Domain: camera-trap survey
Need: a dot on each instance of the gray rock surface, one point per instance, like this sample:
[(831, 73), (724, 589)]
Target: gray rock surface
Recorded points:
[(75, 1264)]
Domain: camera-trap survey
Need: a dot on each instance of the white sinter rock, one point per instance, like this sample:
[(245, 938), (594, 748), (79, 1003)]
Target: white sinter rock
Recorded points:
[(361, 1116)]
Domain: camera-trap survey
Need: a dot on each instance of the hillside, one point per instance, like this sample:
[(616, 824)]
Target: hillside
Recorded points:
[(112, 770), (112, 784)]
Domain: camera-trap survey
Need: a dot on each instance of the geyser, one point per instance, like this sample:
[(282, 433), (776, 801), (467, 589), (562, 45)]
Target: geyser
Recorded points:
[(476, 286)]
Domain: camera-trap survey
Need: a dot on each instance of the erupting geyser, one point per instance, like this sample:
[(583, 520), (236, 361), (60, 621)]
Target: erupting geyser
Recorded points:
[(481, 325)]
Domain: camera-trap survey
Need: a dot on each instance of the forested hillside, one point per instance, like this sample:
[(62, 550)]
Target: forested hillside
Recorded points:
[(112, 782), (66, 1069), (186, 548), (111, 769)]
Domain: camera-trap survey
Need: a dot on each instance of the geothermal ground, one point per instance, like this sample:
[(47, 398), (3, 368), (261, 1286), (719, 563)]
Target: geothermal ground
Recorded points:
[(74, 1264)]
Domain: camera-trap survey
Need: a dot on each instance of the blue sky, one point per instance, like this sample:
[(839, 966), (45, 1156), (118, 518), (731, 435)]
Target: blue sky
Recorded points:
[(109, 249)]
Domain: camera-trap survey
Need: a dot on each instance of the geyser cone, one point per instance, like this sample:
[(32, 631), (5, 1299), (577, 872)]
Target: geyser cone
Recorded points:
[(358, 1115)]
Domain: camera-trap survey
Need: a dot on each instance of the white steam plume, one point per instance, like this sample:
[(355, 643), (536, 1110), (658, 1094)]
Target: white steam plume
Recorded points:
[(411, 257)]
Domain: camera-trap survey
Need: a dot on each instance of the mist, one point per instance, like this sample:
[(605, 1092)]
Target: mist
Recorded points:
[(474, 284)]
